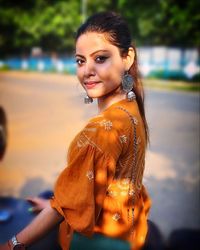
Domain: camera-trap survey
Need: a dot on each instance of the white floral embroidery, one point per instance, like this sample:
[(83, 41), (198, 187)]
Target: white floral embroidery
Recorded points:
[(90, 175), (112, 193), (106, 124), (123, 139), (123, 184), (125, 181), (138, 140), (135, 121), (116, 217), (131, 192)]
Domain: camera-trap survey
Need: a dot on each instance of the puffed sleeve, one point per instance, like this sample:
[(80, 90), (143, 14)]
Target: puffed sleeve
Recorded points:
[(81, 187)]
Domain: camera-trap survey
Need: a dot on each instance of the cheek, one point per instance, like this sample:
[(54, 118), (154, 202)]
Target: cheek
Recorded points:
[(111, 72), (79, 74), (113, 75)]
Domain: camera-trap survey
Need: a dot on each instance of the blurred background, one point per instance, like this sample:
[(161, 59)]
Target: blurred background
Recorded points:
[(42, 103), (39, 34)]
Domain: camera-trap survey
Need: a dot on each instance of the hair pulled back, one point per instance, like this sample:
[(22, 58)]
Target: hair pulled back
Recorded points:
[(117, 32)]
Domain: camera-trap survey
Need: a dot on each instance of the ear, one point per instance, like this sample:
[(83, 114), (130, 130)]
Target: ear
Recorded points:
[(129, 58)]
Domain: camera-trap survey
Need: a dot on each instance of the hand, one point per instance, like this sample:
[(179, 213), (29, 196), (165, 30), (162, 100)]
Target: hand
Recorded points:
[(4, 246), (38, 204)]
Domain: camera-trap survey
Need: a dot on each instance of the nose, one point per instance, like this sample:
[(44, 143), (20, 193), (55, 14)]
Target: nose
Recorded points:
[(89, 69)]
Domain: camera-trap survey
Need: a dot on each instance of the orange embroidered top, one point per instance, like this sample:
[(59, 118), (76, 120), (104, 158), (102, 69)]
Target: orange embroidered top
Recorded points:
[(101, 188)]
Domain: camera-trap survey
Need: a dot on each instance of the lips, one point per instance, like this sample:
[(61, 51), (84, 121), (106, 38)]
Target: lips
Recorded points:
[(91, 84)]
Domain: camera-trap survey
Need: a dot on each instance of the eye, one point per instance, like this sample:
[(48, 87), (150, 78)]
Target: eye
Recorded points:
[(79, 61), (101, 59)]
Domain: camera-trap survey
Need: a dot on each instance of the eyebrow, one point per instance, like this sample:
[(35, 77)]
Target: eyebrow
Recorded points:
[(93, 53)]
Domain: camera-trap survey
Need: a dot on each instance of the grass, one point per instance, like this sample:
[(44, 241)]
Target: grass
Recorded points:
[(171, 85), (154, 83)]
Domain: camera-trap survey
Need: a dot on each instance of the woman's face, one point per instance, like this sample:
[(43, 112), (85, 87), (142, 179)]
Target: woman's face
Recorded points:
[(99, 64)]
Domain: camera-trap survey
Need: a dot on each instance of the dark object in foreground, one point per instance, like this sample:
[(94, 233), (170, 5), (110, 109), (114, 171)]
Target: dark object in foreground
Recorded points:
[(15, 217), (3, 132), (19, 218), (184, 239)]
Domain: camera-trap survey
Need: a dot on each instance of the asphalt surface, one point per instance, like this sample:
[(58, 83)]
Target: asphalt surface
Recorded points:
[(45, 112), (173, 177)]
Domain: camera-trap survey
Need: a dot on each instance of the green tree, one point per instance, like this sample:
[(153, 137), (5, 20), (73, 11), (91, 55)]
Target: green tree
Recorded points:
[(48, 24), (51, 24), (163, 22)]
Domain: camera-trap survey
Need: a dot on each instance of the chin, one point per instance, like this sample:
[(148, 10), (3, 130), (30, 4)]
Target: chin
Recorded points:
[(92, 94)]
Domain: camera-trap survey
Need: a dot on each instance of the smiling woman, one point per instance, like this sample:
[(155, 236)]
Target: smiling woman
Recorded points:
[(101, 67), (100, 194)]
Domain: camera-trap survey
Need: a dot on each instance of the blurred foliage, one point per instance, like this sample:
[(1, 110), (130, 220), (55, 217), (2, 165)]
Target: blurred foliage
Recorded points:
[(164, 22), (51, 24)]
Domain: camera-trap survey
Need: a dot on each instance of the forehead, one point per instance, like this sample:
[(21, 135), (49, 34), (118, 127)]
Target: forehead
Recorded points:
[(92, 41)]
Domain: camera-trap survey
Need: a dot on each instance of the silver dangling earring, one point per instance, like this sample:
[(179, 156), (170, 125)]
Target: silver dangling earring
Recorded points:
[(88, 100), (127, 86)]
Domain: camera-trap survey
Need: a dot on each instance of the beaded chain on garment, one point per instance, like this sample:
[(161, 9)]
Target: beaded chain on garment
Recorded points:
[(133, 170)]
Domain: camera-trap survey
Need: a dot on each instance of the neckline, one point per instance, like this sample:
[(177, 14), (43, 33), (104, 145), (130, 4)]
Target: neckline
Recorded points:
[(116, 103)]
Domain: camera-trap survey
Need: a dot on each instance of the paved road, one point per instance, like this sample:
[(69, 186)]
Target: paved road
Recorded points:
[(173, 176), (45, 112)]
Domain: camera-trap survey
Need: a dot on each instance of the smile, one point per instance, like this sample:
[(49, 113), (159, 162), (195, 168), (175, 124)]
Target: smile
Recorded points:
[(91, 84)]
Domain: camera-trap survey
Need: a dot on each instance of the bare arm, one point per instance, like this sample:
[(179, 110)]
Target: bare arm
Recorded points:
[(41, 225)]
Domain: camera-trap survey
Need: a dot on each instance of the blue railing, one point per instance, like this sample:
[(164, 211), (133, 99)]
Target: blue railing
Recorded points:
[(40, 64), (161, 62)]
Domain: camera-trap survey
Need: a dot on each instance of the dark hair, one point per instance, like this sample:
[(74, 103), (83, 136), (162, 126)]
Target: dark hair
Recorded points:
[(117, 33)]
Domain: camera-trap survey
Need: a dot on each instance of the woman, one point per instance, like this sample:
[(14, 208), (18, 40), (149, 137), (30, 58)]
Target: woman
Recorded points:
[(100, 191)]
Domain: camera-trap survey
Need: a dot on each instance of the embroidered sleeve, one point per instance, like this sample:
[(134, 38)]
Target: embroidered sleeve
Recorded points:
[(81, 187)]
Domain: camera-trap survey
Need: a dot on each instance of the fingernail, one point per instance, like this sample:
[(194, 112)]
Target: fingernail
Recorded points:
[(30, 209)]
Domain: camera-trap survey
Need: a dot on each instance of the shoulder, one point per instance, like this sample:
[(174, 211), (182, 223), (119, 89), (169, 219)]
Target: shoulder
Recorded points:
[(107, 132), (114, 118), (101, 126), (104, 131)]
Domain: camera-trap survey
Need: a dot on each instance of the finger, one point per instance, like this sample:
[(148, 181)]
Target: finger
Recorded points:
[(35, 209), (31, 199), (35, 200)]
